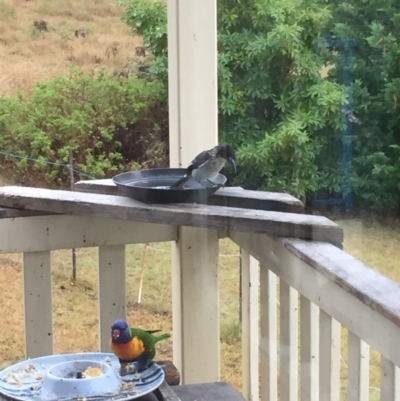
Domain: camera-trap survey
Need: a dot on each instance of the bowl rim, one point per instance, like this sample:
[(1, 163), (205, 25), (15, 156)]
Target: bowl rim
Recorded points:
[(107, 369)]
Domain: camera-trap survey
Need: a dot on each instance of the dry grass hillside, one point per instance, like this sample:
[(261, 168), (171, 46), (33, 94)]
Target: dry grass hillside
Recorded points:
[(29, 54)]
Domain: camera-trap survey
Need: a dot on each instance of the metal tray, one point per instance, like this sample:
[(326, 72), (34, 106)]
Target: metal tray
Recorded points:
[(153, 186)]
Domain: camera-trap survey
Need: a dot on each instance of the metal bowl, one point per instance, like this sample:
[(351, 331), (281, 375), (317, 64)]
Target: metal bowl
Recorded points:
[(153, 186)]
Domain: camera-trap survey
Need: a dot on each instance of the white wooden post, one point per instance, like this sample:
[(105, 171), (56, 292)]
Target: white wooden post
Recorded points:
[(268, 337), (112, 299), (195, 317), (390, 381), (193, 118), (38, 304), (250, 327), (358, 369), (288, 348), (309, 350), (329, 362)]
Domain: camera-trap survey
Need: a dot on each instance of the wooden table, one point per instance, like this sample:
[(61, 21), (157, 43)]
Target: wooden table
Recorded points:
[(219, 391)]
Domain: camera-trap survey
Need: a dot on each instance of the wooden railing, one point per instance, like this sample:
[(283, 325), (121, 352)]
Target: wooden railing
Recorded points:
[(291, 334)]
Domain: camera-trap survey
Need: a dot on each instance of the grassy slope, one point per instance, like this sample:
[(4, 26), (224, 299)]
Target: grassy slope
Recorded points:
[(26, 55)]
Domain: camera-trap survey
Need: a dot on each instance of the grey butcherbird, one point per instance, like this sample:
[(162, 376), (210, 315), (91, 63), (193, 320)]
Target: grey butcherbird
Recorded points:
[(208, 163)]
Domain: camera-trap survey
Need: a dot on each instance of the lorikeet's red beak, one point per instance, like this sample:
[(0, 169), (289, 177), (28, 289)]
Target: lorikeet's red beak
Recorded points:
[(116, 333)]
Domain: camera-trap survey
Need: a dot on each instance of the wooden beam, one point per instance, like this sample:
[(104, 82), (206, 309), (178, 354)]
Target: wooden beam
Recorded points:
[(329, 356), (193, 127), (220, 391), (230, 197), (117, 207), (268, 335), (390, 380), (250, 327), (9, 213), (195, 295), (38, 304), (361, 281), (46, 233), (358, 297), (288, 345), (172, 375), (309, 352), (165, 393), (358, 369), (112, 289)]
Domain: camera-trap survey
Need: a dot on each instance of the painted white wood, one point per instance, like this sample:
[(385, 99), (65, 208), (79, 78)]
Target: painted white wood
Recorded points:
[(43, 233), (250, 327), (278, 225), (177, 312), (193, 121), (288, 347), (329, 358), (195, 317), (112, 290), (368, 324), (268, 336), (192, 73), (38, 304), (358, 369), (390, 381), (309, 350)]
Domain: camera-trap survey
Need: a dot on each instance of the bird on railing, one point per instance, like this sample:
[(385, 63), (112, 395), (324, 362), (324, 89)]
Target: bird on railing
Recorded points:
[(134, 347), (208, 163)]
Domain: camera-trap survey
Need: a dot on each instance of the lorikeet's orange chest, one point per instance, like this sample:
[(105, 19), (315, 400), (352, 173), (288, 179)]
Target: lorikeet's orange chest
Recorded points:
[(128, 351)]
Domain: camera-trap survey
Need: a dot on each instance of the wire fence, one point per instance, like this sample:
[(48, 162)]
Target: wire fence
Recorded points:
[(43, 161), (70, 167)]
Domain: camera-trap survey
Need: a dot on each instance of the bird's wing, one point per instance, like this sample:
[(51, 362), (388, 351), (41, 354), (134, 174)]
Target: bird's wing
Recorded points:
[(144, 336), (199, 160)]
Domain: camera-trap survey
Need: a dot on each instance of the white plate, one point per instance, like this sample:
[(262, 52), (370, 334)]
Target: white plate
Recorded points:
[(23, 380)]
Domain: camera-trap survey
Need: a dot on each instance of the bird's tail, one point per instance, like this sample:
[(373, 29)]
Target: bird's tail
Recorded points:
[(161, 337), (181, 181)]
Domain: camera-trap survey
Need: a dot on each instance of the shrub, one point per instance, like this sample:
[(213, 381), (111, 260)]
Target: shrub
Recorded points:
[(110, 124)]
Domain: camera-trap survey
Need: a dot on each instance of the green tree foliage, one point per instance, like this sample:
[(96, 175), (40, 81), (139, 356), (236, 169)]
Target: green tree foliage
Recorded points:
[(375, 27), (148, 19), (274, 106), (109, 123)]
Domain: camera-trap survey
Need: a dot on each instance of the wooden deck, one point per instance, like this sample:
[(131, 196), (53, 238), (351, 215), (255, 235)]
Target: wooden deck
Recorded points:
[(321, 287)]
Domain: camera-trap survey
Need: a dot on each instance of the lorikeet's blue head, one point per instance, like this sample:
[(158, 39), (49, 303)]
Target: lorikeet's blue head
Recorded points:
[(120, 332)]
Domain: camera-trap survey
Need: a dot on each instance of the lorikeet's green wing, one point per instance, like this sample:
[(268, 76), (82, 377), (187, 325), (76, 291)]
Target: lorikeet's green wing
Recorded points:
[(149, 340), (143, 335)]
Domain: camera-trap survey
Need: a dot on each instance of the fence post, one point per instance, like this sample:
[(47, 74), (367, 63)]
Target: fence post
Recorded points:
[(72, 181)]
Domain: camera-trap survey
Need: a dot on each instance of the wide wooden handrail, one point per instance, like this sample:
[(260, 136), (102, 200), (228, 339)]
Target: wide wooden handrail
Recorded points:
[(118, 207), (351, 292), (228, 196)]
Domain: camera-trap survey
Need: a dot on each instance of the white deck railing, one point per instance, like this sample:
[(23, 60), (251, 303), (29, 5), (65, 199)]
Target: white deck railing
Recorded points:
[(320, 289), (291, 342)]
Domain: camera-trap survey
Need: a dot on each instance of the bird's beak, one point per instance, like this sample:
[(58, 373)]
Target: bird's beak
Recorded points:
[(232, 162), (116, 334)]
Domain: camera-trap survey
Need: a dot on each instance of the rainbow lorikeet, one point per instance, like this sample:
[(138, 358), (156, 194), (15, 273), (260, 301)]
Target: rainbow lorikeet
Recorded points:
[(131, 344)]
